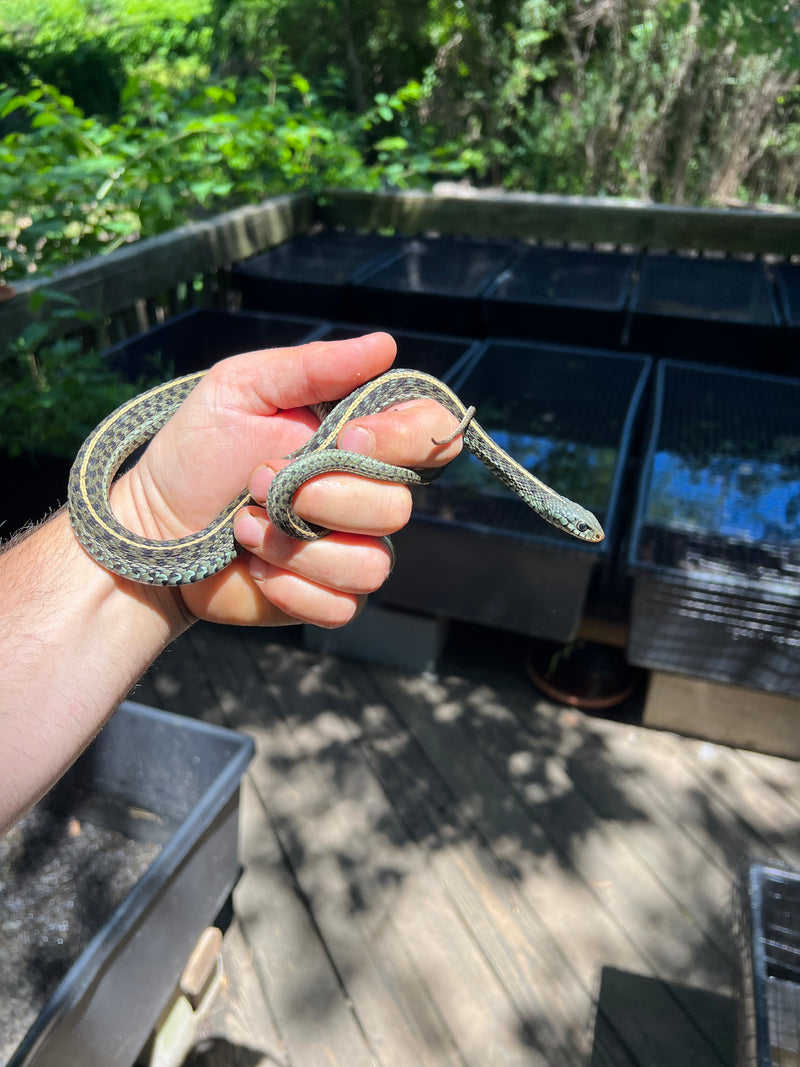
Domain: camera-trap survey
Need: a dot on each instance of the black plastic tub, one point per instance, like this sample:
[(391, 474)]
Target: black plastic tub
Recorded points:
[(787, 279), (473, 550), (194, 340), (310, 275), (433, 284), (172, 783), (565, 295), (710, 310), (768, 922), (715, 551), (438, 354)]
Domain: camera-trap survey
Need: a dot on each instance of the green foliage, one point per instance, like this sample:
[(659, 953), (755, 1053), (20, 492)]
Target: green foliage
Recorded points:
[(123, 117), (52, 393), (72, 185), (89, 48)]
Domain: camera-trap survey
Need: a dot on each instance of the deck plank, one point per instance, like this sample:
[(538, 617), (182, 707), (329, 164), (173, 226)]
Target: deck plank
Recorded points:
[(348, 874), (309, 1008), (456, 872), (608, 908)]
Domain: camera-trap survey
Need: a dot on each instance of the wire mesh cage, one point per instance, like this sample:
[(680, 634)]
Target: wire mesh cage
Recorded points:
[(573, 296), (768, 916), (715, 549)]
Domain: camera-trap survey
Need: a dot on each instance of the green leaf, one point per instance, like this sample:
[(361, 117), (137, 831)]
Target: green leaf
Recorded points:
[(34, 334), (392, 144), (44, 118), (13, 104)]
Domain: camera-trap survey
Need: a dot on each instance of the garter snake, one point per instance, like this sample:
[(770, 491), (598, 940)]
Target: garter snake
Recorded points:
[(200, 555)]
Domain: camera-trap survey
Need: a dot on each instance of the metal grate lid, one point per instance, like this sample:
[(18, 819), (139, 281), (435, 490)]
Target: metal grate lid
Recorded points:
[(332, 257), (772, 958), (445, 265), (723, 289), (567, 276), (721, 486)]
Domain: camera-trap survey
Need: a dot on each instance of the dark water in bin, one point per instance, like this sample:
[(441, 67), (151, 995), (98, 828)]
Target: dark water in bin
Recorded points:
[(559, 414), (61, 878), (458, 268), (726, 473)]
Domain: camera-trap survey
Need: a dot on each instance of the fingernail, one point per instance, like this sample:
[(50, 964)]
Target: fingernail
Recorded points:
[(260, 481), (259, 569), (357, 439), (392, 554), (249, 531)]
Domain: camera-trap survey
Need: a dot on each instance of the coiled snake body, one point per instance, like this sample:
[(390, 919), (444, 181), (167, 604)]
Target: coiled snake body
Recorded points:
[(202, 554)]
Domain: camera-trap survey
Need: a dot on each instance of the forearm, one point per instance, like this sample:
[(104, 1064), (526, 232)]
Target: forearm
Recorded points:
[(75, 639)]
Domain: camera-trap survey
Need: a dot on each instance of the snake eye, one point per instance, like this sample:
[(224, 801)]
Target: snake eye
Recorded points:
[(582, 527)]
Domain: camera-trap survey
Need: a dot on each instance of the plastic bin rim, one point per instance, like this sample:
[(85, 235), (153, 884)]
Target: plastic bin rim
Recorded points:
[(730, 372), (641, 358)]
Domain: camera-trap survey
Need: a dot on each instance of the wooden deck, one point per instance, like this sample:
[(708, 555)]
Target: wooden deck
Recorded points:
[(454, 871)]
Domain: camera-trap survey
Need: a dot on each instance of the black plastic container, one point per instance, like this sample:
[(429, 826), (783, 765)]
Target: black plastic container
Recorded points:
[(474, 550), (178, 780), (194, 340), (768, 920), (716, 545), (433, 284), (310, 275), (787, 279), (710, 310), (438, 354), (559, 294)]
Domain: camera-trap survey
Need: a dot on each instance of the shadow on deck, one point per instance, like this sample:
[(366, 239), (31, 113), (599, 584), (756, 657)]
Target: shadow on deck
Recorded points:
[(455, 871)]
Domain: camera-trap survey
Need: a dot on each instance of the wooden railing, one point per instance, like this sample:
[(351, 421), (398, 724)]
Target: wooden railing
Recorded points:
[(144, 283), (591, 221)]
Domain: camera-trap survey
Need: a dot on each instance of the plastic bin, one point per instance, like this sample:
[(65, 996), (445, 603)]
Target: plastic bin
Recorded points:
[(194, 340), (787, 279), (177, 780), (715, 551), (473, 550), (711, 310), (433, 284), (310, 275), (768, 921), (560, 294)]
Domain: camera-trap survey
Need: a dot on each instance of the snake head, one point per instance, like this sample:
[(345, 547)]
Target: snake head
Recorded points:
[(581, 523)]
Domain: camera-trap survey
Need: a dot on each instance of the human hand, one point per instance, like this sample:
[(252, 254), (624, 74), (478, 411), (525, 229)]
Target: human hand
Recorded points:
[(248, 410)]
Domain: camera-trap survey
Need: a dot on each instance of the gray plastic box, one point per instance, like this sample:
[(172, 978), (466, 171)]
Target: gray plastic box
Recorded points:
[(187, 775)]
